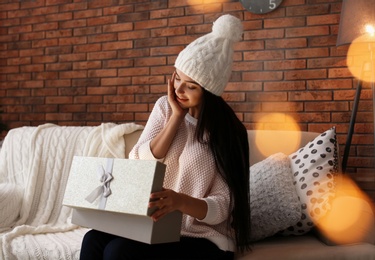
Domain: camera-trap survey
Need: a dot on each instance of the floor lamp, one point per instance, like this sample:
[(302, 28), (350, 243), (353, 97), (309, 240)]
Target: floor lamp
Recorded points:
[(357, 26)]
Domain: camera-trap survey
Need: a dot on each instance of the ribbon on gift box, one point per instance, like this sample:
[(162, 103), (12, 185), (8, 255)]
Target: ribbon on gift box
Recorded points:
[(104, 190)]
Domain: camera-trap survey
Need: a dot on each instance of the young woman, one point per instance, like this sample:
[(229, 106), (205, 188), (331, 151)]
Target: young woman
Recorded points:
[(205, 147)]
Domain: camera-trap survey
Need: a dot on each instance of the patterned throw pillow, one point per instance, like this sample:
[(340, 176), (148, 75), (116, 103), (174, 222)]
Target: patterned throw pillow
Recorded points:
[(314, 169), (273, 199)]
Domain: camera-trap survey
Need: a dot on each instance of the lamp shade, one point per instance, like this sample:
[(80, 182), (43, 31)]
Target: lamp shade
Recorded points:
[(356, 17)]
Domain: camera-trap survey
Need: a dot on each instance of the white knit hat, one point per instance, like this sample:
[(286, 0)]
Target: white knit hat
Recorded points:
[(208, 59)]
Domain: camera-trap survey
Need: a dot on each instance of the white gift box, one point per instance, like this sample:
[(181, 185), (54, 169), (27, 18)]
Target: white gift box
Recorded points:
[(112, 195)]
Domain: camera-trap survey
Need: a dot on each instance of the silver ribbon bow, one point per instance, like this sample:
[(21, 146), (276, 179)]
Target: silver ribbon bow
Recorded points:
[(105, 177)]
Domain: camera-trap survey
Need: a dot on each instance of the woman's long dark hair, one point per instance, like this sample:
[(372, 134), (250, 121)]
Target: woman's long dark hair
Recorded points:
[(227, 138)]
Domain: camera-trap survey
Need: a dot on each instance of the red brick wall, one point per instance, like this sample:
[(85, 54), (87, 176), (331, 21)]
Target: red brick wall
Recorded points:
[(83, 62)]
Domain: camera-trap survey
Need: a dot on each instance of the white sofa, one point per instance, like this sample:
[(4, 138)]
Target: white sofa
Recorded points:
[(34, 166)]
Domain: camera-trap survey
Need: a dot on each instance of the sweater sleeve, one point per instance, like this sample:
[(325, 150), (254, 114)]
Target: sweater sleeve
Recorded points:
[(155, 124), (218, 203)]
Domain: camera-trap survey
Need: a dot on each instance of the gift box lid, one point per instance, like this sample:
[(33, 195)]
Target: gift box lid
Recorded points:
[(112, 184)]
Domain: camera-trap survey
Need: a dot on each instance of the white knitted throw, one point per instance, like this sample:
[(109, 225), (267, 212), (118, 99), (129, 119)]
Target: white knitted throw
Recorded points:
[(38, 159)]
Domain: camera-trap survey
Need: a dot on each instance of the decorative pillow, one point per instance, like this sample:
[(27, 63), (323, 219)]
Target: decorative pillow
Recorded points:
[(274, 201), (314, 169), (10, 204)]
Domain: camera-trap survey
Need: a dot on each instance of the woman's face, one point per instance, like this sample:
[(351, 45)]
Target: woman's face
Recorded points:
[(189, 94)]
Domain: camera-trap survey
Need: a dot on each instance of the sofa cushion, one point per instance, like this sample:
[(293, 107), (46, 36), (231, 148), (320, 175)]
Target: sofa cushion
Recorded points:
[(273, 199), (314, 168)]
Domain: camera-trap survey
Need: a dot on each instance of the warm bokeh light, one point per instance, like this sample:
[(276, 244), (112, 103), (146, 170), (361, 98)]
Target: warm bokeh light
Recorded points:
[(351, 216), (361, 56), (265, 140), (370, 30)]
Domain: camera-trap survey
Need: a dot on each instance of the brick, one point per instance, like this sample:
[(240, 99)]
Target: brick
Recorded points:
[(118, 99), (323, 19), (43, 92), (286, 43), (285, 65), (102, 37), (305, 74), (267, 96), (284, 85), (135, 34), (58, 66), (59, 33), (326, 62), (102, 20), (18, 61), (59, 16), (72, 74), (319, 41), (284, 22), (169, 31), (82, 65), (117, 27), (166, 50), (31, 36), (119, 9), (58, 50), (101, 108), (72, 108), (59, 117), (32, 84), (306, 53), (46, 109), (326, 106), (132, 17), (303, 31), (44, 59), (117, 45), (163, 13), (146, 6), (88, 13), (264, 55), (142, 25), (87, 30), (103, 55), (102, 73), (118, 63), (115, 81), (310, 96), (307, 10), (72, 91), (72, 57), (44, 43), (45, 26), (262, 76), (58, 83), (147, 80), (73, 23), (282, 106), (32, 68), (132, 107), (88, 99), (118, 117), (94, 47), (330, 84), (72, 40)]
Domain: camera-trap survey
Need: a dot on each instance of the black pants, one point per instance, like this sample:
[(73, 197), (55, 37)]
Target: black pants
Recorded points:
[(100, 245)]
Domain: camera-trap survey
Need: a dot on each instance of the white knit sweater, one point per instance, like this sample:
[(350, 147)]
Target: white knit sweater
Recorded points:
[(190, 170)]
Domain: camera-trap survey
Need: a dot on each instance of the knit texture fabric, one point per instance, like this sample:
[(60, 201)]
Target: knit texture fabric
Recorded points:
[(208, 60), (10, 204), (37, 160), (190, 170)]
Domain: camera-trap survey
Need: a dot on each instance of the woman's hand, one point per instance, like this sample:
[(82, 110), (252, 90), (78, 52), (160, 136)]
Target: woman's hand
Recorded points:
[(176, 108), (167, 201)]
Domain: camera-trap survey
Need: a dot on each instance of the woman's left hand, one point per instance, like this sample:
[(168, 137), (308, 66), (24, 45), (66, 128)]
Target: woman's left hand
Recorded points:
[(165, 201)]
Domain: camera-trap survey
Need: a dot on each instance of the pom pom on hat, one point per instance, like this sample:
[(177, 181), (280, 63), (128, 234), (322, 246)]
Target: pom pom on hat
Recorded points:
[(208, 60)]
